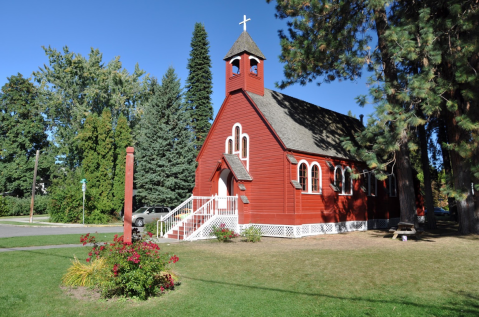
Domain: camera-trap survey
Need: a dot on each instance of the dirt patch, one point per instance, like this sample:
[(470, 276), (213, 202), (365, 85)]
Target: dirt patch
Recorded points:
[(81, 293)]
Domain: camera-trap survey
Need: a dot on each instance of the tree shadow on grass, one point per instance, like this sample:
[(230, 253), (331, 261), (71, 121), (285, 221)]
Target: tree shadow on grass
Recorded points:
[(469, 304)]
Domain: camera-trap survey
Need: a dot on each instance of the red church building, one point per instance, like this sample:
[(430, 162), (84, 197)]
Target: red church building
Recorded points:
[(276, 162)]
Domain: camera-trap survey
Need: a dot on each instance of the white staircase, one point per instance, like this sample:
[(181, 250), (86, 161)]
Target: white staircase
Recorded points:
[(195, 218)]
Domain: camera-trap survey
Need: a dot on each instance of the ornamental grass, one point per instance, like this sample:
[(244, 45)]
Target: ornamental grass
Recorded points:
[(137, 269)]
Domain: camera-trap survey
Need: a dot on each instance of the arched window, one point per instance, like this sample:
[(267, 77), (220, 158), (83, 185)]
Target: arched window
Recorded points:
[(315, 188), (237, 138), (303, 176), (230, 146), (365, 181), (245, 147), (253, 66), (338, 178), (235, 64), (348, 182), (392, 186)]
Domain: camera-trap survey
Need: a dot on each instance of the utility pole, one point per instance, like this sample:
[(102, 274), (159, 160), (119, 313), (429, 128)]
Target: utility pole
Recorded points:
[(34, 185)]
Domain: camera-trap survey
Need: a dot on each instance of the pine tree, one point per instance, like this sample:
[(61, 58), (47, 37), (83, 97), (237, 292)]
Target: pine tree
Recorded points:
[(105, 150), (22, 132), (199, 85), (123, 139), (166, 156)]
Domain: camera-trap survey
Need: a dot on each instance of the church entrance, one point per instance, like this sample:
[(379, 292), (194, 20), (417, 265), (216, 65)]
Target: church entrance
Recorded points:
[(225, 187)]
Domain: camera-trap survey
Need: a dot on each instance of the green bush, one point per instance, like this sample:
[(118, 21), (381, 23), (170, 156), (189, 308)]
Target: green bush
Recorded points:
[(151, 227), (21, 206), (252, 234), (223, 234), (3, 207), (66, 200), (135, 269)]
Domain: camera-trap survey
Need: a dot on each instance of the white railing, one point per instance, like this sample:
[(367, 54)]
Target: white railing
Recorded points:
[(194, 212), (174, 218)]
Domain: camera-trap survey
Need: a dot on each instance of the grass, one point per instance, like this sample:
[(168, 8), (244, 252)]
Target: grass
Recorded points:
[(30, 241), (355, 274)]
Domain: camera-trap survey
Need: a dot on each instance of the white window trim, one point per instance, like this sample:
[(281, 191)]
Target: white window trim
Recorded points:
[(308, 179), (256, 59), (390, 178), (235, 58), (369, 185), (240, 151), (320, 176)]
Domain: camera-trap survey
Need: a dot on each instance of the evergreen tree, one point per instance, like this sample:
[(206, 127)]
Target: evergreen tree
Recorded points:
[(330, 41), (22, 132), (105, 150), (199, 85), (166, 156), (123, 139)]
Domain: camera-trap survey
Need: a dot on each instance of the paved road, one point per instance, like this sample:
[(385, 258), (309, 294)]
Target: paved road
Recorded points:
[(20, 231)]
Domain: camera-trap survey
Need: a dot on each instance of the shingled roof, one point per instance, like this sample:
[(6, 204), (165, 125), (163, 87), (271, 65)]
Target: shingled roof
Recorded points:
[(305, 127), (237, 167), (244, 43)]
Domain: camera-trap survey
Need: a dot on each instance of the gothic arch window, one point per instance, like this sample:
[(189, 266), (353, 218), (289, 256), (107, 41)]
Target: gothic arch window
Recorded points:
[(237, 138), (244, 149), (348, 181), (303, 176), (230, 146), (338, 178), (315, 179), (235, 65)]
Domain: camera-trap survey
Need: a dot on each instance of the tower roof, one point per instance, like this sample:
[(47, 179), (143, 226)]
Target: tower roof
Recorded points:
[(244, 43)]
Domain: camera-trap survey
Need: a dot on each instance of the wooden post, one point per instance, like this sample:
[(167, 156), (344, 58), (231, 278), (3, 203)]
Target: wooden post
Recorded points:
[(33, 186), (128, 194)]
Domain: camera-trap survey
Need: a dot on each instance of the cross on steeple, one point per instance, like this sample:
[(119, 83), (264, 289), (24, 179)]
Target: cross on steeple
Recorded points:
[(244, 22)]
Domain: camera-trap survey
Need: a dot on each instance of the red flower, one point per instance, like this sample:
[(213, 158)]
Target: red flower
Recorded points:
[(88, 260), (150, 234)]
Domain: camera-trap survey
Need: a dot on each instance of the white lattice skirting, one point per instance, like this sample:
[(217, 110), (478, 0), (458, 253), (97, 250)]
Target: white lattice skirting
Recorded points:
[(206, 230), (291, 231)]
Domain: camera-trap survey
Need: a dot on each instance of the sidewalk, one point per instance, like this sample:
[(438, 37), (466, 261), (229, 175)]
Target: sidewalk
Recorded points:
[(59, 246), (42, 221)]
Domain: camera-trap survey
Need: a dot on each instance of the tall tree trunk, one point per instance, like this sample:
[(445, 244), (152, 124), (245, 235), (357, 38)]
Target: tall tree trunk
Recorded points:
[(446, 161), (431, 218), (462, 175), (407, 196)]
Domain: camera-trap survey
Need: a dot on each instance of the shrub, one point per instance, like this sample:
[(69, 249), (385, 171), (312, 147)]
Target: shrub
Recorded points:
[(89, 274), (135, 269), (151, 227), (252, 234), (223, 234), (3, 207), (15, 206)]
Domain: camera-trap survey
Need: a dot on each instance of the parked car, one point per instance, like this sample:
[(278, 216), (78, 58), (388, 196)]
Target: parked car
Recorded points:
[(148, 214), (438, 211)]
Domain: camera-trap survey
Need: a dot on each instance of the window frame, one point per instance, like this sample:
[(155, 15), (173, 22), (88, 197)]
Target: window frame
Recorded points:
[(351, 184)]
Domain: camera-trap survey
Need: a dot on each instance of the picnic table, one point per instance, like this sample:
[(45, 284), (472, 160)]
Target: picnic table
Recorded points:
[(405, 228)]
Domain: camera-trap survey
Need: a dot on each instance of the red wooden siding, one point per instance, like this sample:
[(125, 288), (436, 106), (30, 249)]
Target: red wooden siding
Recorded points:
[(245, 79)]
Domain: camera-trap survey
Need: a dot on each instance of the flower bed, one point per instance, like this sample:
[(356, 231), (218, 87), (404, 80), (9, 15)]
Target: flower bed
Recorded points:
[(224, 234), (121, 268)]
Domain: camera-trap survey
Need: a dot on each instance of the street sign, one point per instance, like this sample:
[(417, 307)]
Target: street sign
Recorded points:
[(83, 187)]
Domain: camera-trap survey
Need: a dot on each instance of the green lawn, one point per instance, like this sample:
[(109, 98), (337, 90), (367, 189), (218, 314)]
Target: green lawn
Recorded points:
[(356, 274), (18, 223), (49, 240)]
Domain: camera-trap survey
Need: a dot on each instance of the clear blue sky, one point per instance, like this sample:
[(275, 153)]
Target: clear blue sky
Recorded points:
[(155, 34)]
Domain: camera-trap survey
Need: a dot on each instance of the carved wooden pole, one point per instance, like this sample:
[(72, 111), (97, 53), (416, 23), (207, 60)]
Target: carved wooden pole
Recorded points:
[(128, 194)]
